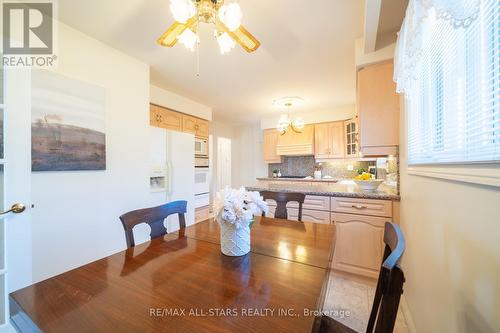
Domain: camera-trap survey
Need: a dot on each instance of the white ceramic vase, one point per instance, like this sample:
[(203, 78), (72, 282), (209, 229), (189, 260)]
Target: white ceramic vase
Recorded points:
[(234, 241)]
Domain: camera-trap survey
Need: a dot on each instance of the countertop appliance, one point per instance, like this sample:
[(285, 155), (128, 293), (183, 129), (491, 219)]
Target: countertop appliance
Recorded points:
[(175, 152)]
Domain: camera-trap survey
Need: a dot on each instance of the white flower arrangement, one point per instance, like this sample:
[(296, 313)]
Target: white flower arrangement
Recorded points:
[(238, 206)]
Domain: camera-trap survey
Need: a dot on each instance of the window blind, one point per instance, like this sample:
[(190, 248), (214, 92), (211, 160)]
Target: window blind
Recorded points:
[(453, 100)]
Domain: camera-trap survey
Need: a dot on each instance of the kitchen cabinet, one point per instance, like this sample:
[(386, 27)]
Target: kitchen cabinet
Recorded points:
[(359, 244), (382, 208), (197, 126), (308, 215), (329, 140), (269, 146), (351, 138), (378, 110), (296, 144), (165, 118)]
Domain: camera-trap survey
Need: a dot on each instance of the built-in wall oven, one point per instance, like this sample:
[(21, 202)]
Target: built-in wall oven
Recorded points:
[(201, 147), (201, 187)]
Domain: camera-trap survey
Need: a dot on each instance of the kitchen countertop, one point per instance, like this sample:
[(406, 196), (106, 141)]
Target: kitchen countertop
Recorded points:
[(326, 180), (341, 189)]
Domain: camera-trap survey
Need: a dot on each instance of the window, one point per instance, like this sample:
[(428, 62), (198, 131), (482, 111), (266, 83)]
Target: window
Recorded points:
[(449, 71)]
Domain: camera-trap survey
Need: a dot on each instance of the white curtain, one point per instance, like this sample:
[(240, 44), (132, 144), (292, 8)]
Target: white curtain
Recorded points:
[(447, 64)]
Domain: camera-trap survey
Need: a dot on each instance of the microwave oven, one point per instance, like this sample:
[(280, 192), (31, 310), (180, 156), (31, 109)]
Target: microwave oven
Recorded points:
[(201, 147)]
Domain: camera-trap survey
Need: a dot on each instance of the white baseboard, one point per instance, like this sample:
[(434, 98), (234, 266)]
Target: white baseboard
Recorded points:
[(406, 312)]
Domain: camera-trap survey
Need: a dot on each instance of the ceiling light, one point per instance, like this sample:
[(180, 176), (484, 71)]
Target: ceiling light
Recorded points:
[(226, 44), (284, 122), (226, 19), (231, 16), (189, 39), (182, 10)]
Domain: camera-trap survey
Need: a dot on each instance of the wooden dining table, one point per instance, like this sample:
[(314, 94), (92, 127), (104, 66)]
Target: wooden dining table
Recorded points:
[(181, 282)]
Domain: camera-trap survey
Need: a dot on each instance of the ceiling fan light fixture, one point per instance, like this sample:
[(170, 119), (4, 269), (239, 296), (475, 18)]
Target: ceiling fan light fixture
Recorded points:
[(231, 16), (189, 39), (226, 43), (182, 10)]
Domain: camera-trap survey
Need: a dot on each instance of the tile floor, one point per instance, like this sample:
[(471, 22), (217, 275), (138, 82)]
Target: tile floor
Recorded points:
[(350, 301)]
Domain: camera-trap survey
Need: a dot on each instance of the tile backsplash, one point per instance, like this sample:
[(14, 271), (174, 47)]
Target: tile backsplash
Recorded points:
[(338, 169)]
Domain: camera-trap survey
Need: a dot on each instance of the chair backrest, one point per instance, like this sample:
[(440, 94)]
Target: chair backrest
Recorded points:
[(390, 282), (388, 293), (282, 198), (155, 217)]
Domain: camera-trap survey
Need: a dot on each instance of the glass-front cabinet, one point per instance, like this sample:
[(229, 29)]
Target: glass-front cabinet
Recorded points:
[(351, 133)]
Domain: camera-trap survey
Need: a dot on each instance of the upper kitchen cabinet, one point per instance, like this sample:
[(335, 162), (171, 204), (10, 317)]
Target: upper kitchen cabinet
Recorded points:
[(351, 137), (165, 118), (269, 146), (296, 143), (197, 126), (378, 110), (329, 140)]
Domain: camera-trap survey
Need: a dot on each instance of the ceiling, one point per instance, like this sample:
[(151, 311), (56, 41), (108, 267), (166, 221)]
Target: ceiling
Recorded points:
[(307, 50)]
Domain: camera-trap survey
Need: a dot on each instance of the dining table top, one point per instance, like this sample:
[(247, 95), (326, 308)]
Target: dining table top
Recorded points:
[(181, 282)]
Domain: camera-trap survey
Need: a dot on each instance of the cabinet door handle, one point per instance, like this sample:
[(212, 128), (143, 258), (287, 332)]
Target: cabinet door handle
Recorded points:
[(359, 207)]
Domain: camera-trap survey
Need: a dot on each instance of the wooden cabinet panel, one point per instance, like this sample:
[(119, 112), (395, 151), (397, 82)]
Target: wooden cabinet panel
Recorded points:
[(329, 140), (197, 126), (308, 215), (188, 124), (269, 146), (359, 245), (362, 206), (296, 144), (313, 202), (378, 109), (165, 118), (321, 141)]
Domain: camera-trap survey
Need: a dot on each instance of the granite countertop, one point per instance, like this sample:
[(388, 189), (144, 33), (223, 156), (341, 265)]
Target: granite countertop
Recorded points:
[(342, 189), (326, 180)]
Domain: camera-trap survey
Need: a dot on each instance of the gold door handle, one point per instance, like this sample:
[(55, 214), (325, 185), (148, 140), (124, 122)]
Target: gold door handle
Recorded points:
[(16, 208)]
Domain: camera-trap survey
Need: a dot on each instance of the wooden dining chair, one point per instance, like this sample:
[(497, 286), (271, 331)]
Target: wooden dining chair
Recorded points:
[(155, 217), (282, 198), (388, 292)]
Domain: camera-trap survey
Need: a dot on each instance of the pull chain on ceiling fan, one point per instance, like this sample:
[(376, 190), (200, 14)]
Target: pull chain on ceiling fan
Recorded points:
[(226, 18)]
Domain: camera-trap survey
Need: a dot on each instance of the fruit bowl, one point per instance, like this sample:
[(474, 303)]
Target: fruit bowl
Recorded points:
[(369, 185)]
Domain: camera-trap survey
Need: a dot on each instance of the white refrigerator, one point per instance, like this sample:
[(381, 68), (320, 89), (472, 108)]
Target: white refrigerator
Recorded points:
[(172, 164)]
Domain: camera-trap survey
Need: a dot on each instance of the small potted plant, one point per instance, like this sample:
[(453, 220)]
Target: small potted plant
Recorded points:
[(235, 210), (275, 173)]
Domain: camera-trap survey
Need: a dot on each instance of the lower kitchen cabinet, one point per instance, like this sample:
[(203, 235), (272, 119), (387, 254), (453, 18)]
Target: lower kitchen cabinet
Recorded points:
[(308, 215), (359, 246)]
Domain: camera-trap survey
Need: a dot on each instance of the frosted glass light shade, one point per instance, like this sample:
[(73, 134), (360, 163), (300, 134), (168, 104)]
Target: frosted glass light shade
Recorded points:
[(226, 43), (189, 39), (231, 15), (182, 10)]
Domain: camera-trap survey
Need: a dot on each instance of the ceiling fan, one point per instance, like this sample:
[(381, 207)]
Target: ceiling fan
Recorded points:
[(226, 18)]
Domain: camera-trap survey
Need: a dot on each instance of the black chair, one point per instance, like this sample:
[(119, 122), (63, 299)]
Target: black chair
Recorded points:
[(155, 217), (388, 293), (282, 198)]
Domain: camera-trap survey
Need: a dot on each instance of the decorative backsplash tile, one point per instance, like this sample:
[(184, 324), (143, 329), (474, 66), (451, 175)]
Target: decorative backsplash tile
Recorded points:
[(304, 166)]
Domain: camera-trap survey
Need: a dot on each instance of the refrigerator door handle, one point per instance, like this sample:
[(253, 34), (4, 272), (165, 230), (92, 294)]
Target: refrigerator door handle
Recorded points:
[(169, 176)]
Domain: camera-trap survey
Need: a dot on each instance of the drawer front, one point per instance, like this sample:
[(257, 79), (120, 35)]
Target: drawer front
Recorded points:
[(362, 206), (311, 202), (314, 216)]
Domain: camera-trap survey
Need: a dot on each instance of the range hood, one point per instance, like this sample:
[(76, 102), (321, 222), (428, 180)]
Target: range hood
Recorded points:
[(296, 144)]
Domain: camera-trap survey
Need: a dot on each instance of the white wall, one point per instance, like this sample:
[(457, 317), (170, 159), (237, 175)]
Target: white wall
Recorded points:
[(179, 103), (75, 219), (320, 116), (364, 59), (452, 260)]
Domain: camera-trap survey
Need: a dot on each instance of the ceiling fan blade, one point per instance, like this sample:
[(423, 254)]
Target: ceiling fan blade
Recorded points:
[(169, 37), (242, 36)]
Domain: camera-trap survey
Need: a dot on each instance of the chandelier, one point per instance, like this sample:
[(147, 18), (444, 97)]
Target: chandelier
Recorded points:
[(226, 18), (285, 122)]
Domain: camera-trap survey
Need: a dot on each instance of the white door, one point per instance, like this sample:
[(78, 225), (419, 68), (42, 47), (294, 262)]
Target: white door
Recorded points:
[(223, 163), (15, 186)]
